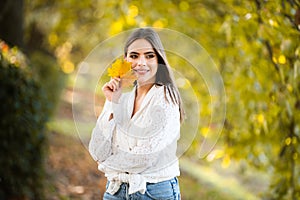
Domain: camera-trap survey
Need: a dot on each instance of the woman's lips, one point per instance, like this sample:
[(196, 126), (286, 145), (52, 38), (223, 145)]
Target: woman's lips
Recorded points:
[(141, 71)]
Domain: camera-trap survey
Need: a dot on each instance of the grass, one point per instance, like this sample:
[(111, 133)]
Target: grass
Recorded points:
[(69, 127), (229, 187), (192, 189)]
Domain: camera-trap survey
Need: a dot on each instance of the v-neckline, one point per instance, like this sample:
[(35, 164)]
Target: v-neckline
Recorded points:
[(145, 100)]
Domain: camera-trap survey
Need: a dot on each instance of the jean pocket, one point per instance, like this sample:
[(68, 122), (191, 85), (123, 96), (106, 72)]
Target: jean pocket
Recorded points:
[(160, 191)]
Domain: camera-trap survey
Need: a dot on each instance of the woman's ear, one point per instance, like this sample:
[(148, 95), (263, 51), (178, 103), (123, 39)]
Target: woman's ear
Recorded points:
[(125, 57)]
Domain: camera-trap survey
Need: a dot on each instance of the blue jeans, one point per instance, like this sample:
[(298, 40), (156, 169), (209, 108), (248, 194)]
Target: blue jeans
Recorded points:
[(165, 190)]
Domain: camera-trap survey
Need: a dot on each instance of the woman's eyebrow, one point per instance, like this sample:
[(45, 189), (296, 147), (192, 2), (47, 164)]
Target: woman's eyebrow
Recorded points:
[(133, 52), (146, 53), (149, 52)]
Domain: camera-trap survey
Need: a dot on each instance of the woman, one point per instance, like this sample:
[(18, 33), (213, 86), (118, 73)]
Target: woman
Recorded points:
[(135, 138)]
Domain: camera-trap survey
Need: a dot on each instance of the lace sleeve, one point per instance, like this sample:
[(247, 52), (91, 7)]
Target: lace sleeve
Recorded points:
[(100, 143), (156, 137)]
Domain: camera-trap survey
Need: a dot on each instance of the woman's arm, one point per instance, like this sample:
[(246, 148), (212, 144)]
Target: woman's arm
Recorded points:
[(100, 146), (100, 143)]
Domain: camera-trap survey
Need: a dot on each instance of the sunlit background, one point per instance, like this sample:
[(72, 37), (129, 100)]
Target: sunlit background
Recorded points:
[(254, 46)]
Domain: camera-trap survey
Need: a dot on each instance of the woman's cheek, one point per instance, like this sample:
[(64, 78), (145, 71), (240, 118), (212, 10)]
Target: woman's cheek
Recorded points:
[(133, 65)]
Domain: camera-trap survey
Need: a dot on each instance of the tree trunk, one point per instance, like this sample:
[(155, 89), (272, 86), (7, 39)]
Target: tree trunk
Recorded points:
[(11, 22)]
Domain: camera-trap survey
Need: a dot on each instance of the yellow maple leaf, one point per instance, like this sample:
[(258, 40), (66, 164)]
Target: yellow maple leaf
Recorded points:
[(128, 79), (119, 68)]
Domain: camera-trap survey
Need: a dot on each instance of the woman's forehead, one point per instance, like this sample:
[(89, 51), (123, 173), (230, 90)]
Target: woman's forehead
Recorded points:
[(140, 45)]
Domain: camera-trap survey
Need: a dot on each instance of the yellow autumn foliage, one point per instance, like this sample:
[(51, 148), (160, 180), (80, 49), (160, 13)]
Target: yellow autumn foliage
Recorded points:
[(119, 68)]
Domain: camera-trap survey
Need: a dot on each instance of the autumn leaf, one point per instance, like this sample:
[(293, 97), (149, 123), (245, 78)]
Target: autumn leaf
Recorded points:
[(122, 68), (119, 68), (128, 79)]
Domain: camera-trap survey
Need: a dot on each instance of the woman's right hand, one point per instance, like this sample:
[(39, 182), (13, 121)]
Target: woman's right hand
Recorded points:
[(112, 89)]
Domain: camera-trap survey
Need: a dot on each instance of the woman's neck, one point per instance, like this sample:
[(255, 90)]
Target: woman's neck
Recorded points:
[(141, 92), (143, 89)]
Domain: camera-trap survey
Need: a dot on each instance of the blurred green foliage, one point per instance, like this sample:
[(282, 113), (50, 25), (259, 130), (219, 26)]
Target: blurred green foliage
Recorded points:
[(47, 73), (24, 111), (255, 45)]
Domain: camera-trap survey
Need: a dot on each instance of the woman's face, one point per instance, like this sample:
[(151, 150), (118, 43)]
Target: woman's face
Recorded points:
[(144, 61)]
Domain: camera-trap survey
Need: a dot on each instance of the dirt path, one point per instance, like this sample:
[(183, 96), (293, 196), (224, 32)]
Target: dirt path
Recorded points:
[(71, 171)]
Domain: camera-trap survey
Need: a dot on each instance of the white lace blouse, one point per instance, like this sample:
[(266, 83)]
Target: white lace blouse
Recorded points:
[(137, 149)]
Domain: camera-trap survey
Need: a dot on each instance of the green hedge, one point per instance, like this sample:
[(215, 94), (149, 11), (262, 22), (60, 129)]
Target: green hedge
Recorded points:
[(24, 112)]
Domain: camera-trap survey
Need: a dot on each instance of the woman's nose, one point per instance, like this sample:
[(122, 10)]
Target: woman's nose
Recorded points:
[(142, 61)]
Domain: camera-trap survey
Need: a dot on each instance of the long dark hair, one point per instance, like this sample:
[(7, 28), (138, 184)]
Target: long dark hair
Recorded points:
[(164, 75)]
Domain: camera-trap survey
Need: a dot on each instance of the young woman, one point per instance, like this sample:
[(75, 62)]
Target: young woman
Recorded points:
[(135, 138)]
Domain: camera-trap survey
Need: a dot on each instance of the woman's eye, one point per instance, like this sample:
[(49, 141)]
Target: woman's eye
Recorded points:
[(150, 56), (133, 56)]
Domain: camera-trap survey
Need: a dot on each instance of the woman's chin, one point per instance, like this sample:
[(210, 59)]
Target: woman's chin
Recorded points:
[(145, 81)]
